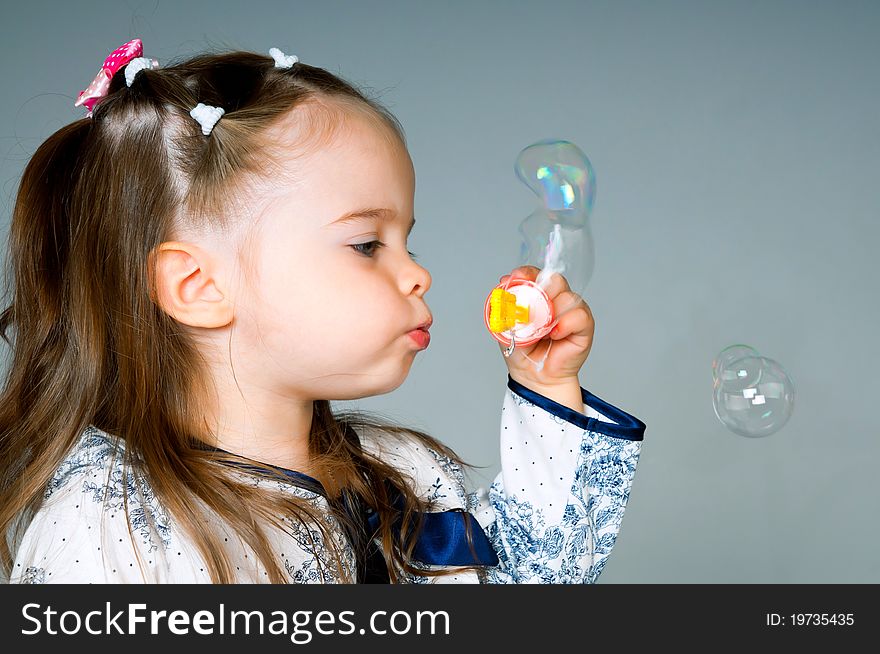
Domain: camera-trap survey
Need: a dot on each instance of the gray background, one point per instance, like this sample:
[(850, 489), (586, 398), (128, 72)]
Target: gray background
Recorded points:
[(735, 146)]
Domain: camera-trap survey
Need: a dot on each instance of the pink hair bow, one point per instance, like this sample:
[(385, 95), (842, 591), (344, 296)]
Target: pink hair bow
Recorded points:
[(97, 90)]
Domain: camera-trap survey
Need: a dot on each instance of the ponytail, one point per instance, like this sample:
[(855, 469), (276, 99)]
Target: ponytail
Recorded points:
[(35, 431), (40, 233)]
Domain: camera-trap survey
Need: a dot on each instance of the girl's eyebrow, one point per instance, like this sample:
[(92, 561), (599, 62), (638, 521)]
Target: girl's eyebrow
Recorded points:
[(371, 214)]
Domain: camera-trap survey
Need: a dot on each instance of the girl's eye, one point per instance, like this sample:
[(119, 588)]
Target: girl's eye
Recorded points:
[(371, 247)]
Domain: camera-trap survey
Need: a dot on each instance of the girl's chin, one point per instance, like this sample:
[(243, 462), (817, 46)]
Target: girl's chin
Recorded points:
[(383, 382)]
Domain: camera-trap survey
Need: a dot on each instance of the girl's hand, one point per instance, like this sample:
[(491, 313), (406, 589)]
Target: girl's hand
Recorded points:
[(569, 343)]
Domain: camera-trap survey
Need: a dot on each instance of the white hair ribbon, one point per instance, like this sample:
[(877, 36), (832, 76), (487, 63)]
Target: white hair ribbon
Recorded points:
[(137, 65), (282, 60), (207, 116)]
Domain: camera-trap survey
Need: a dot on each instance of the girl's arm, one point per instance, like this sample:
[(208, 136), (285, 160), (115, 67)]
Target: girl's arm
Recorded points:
[(554, 511)]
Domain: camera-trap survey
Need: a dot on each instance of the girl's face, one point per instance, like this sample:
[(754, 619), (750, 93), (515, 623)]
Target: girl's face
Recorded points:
[(332, 308)]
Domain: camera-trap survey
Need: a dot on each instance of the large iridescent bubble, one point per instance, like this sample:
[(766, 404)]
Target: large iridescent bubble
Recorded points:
[(556, 238), (753, 395)]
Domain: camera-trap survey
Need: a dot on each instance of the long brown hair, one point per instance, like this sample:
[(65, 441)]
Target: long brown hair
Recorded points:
[(90, 345)]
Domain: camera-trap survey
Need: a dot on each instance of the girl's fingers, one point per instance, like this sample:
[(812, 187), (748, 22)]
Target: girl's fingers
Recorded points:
[(554, 286), (568, 301), (522, 272), (575, 318)]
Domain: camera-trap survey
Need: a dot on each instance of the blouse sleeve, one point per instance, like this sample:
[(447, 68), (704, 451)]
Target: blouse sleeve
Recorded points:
[(554, 511)]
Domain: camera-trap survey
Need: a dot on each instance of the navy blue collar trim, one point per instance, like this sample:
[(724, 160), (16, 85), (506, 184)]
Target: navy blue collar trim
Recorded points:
[(442, 539), (628, 426), (301, 479)]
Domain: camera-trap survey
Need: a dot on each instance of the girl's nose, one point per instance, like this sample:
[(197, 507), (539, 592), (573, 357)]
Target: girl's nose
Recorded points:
[(416, 279)]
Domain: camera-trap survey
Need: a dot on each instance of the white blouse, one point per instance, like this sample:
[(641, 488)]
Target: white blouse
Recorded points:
[(552, 514)]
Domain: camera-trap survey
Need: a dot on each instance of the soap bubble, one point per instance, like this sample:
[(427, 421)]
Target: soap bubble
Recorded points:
[(728, 355), (556, 238), (560, 174), (753, 395)]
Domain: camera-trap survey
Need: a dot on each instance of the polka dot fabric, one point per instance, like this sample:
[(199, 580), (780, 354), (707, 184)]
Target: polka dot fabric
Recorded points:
[(554, 511), (99, 86)]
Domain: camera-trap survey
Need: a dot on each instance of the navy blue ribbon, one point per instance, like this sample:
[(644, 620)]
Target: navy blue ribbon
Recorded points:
[(442, 539)]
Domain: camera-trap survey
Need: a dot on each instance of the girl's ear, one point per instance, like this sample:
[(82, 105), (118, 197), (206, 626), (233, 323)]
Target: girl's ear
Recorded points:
[(188, 286)]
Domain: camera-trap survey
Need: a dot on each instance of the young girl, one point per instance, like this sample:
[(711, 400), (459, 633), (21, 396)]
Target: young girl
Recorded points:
[(199, 266)]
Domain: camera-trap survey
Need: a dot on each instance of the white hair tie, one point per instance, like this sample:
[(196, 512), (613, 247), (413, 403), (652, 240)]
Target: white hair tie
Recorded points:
[(207, 116), (282, 60), (137, 65)]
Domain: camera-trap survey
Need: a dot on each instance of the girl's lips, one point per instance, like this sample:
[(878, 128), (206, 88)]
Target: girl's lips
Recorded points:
[(421, 337)]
